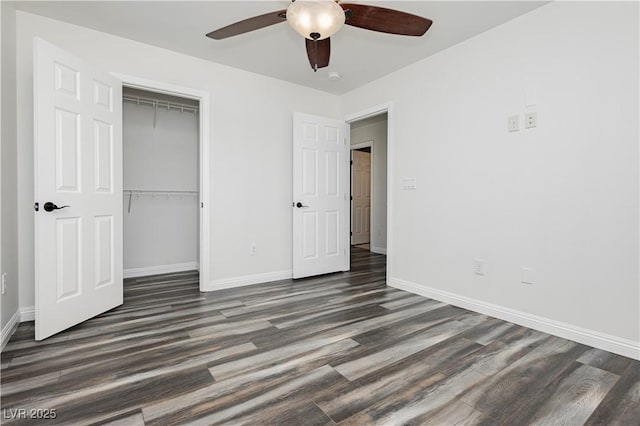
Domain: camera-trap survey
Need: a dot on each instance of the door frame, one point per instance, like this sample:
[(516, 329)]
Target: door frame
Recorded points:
[(361, 115), (205, 160), (367, 144)]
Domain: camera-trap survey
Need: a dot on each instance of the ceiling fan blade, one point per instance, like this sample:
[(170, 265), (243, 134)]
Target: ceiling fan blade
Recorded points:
[(249, 24), (385, 20), (318, 52)]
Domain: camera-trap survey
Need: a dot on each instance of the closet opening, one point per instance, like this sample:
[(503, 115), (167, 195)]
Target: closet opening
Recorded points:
[(161, 185)]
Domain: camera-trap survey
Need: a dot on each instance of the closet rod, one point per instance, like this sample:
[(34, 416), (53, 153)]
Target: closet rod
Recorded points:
[(156, 103)]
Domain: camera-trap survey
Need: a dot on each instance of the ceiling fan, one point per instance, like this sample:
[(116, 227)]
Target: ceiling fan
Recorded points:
[(317, 20)]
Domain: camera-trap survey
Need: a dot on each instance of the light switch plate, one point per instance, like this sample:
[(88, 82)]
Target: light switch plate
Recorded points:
[(513, 124), (530, 99)]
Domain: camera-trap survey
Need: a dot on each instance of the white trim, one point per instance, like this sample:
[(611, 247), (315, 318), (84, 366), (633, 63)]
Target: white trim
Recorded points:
[(249, 280), (9, 329), (160, 269), (621, 346), (370, 112), (205, 159), (347, 232), (379, 250), (362, 145), (27, 313)]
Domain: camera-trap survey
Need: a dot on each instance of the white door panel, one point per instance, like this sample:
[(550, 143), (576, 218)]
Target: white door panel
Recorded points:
[(320, 184), (78, 163)]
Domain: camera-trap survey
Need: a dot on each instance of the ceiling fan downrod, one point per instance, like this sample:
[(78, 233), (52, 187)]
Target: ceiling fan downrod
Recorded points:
[(315, 37)]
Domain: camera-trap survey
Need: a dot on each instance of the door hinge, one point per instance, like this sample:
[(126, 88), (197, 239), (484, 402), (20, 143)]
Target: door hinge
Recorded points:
[(351, 233), (202, 205), (351, 162), (351, 197), (36, 207)]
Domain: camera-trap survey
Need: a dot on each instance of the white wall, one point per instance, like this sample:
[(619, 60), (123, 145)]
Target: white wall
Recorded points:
[(8, 156), (375, 129), (561, 198), (160, 231), (251, 119)]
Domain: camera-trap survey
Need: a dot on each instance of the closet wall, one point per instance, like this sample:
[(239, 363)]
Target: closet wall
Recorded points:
[(161, 171)]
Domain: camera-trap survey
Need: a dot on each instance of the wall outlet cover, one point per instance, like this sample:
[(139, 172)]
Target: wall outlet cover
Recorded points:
[(530, 120), (409, 183)]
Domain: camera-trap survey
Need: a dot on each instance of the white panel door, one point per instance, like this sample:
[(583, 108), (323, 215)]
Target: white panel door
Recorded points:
[(78, 190), (320, 196), (361, 193)]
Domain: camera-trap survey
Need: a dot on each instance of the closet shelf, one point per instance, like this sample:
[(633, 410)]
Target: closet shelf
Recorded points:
[(156, 103), (153, 193)]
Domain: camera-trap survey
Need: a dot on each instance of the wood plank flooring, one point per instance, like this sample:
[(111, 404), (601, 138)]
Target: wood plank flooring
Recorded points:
[(341, 348)]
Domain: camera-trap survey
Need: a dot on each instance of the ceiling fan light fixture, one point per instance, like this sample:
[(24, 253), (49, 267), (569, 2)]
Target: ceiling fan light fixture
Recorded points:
[(315, 19)]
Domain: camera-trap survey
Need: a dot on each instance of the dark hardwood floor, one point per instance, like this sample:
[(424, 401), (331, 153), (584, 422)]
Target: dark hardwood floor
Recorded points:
[(341, 348)]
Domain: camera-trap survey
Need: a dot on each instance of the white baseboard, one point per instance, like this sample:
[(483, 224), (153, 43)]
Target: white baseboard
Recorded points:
[(161, 269), (9, 329), (27, 313), (248, 280), (379, 250), (621, 346)]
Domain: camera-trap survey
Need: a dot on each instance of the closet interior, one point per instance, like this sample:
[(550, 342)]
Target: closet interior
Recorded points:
[(160, 183)]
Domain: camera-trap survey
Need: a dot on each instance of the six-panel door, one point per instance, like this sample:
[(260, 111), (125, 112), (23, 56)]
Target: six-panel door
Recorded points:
[(320, 184), (78, 153)]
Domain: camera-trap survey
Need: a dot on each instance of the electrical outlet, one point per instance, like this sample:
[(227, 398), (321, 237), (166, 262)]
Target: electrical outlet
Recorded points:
[(4, 283), (530, 120), (527, 275), (478, 267), (513, 123), (254, 249)]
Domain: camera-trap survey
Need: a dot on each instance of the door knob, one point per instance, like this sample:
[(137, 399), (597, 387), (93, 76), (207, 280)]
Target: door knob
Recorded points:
[(49, 207), (300, 205)]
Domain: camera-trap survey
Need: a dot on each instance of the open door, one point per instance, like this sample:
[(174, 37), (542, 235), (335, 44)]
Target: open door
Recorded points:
[(360, 197), (320, 195), (78, 190)]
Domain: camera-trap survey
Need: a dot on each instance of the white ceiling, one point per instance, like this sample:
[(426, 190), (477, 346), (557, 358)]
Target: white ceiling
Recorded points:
[(360, 56)]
